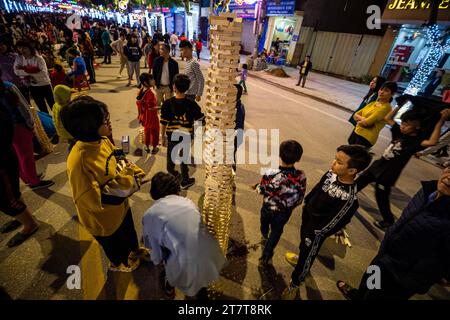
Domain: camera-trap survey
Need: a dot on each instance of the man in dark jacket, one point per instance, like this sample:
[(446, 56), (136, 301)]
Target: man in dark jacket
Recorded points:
[(164, 70), (304, 67), (415, 252)]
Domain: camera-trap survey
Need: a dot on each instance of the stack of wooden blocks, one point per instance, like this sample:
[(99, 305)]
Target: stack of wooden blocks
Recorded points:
[(225, 35)]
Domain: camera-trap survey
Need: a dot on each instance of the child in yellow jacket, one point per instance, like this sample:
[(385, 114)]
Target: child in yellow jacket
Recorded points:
[(62, 96), (102, 180)]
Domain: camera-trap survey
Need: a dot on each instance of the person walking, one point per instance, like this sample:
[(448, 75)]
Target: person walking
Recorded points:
[(198, 48), (173, 43), (243, 77), (88, 54), (305, 66), (134, 54), (164, 71), (106, 40), (119, 46)]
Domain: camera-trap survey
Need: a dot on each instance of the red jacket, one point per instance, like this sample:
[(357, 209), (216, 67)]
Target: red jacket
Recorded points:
[(147, 110), (198, 45)]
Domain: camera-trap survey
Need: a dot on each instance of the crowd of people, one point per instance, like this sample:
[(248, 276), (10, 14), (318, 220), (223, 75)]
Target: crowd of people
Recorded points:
[(102, 178)]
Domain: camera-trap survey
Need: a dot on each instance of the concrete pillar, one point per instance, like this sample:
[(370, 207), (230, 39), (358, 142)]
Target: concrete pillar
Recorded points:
[(269, 33), (383, 51), (293, 46)]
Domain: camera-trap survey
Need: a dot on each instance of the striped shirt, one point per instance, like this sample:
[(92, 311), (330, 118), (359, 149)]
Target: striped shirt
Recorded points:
[(192, 70)]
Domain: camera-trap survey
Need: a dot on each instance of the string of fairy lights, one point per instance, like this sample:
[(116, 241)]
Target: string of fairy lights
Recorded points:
[(434, 55)]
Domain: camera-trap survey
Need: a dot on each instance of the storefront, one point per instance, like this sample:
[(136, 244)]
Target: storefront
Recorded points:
[(410, 45), (247, 10), (282, 28)]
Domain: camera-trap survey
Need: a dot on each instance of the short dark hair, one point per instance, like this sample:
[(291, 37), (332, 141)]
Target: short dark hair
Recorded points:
[(83, 117), (413, 115), (245, 66), (145, 77), (290, 151), (185, 44), (73, 51), (360, 156), (165, 45), (182, 82), (26, 44), (58, 67), (390, 85), (164, 184)]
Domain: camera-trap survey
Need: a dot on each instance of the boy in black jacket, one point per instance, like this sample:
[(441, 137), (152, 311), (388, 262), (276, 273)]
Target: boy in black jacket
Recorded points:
[(328, 208), (178, 115), (407, 139), (134, 54)]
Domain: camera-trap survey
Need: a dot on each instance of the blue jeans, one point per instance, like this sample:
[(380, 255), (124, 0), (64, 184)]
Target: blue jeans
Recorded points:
[(272, 225)]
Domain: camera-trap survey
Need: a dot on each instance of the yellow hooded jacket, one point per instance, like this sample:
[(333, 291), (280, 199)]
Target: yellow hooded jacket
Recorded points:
[(101, 183), (62, 95)]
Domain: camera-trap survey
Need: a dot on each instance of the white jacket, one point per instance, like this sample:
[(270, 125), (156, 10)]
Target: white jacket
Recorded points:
[(195, 260), (38, 79)]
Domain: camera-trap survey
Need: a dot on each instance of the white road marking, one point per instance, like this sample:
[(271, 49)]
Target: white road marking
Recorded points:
[(309, 107)]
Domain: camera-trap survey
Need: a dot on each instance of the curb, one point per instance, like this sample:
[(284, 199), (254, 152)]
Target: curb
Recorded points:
[(309, 95)]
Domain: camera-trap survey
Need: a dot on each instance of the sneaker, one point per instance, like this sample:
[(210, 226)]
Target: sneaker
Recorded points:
[(119, 76), (132, 265), (187, 184), (147, 149), (140, 254), (291, 258), (292, 292), (128, 84), (382, 225), (43, 184), (155, 150)]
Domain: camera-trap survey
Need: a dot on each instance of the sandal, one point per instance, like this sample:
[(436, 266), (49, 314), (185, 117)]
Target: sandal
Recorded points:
[(19, 238), (347, 291), (10, 226)]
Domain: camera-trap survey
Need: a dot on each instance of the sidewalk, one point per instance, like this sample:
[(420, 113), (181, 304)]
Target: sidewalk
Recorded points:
[(341, 93)]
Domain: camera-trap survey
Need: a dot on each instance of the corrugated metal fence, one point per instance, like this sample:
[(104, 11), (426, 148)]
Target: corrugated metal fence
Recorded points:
[(339, 53)]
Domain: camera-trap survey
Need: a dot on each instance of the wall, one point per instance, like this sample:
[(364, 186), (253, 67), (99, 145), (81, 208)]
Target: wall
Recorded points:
[(383, 51), (344, 54), (293, 53)]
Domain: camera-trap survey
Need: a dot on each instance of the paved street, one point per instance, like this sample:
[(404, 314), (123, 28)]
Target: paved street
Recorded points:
[(37, 269)]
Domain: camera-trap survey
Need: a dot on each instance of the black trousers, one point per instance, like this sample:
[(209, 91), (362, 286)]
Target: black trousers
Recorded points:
[(121, 243), (311, 240), (390, 289), (357, 139), (41, 95), (89, 60), (170, 162), (272, 225), (302, 79), (107, 51), (198, 54), (382, 194)]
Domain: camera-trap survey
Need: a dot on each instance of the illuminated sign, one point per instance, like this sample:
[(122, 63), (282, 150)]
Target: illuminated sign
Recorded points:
[(414, 4)]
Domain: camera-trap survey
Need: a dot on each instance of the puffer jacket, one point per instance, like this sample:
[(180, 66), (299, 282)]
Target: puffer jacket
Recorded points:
[(62, 95), (416, 249)]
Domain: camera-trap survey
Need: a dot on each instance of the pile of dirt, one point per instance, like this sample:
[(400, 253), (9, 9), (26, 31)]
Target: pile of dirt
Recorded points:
[(278, 72)]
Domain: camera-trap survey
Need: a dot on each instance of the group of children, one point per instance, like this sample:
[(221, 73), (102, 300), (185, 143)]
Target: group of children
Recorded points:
[(331, 204)]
